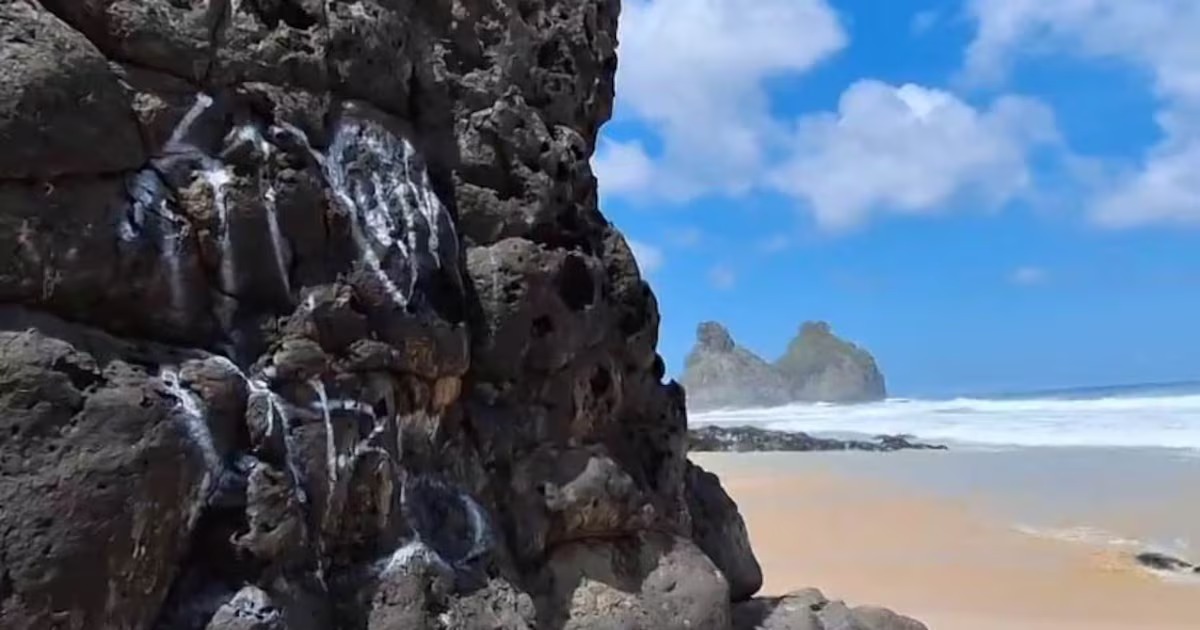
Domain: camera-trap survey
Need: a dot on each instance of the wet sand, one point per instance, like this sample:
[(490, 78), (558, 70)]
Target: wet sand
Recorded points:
[(950, 563)]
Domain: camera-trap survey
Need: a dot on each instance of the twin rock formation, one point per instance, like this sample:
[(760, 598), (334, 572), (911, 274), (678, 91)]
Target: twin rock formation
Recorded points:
[(817, 367), (309, 321)]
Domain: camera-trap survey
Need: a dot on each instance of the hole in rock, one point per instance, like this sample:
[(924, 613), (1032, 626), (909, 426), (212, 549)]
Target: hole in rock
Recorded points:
[(380, 408), (575, 284), (542, 326), (601, 381)]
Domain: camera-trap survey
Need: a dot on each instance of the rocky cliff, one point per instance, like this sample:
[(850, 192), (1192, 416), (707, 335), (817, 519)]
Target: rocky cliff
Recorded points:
[(309, 320), (718, 373), (820, 366), (817, 367)]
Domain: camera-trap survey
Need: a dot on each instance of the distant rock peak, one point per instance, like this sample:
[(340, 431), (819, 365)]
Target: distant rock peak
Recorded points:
[(817, 366), (714, 336)]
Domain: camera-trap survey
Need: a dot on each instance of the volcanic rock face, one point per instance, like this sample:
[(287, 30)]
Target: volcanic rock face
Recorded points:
[(818, 367), (309, 320)]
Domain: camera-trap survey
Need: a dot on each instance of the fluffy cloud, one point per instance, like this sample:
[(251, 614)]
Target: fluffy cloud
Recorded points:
[(649, 257), (693, 71), (622, 167), (1165, 191), (722, 277), (909, 149), (1161, 37)]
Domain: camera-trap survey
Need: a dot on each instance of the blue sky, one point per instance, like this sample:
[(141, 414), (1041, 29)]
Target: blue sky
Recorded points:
[(990, 195)]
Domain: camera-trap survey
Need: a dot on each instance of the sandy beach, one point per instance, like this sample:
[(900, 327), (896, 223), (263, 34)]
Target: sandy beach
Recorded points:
[(954, 563)]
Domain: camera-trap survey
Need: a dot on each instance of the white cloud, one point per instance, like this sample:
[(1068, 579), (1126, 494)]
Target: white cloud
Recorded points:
[(622, 167), (649, 258), (910, 149), (722, 277), (1160, 37), (1165, 191), (1029, 276), (694, 72)]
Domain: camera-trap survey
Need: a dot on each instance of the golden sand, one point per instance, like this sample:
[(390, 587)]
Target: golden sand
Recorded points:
[(944, 563)]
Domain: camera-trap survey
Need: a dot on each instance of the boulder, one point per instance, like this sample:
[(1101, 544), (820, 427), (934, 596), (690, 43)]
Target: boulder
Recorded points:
[(719, 530), (648, 582), (810, 610)]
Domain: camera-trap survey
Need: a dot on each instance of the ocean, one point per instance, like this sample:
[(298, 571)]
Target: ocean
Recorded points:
[(1146, 416), (1116, 469)]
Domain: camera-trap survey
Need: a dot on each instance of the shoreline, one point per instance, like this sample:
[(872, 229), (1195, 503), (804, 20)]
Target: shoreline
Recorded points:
[(947, 562)]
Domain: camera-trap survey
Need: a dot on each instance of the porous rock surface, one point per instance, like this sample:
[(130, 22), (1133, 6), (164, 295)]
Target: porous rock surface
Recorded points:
[(309, 320)]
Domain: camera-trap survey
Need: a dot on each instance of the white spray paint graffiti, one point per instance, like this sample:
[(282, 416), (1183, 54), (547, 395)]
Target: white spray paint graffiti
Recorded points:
[(390, 192), (197, 428)]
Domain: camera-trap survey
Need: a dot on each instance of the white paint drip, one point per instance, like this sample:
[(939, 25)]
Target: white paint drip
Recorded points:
[(366, 251), (395, 192), (169, 246), (480, 528), (203, 102), (404, 558), (331, 460), (252, 602), (251, 133), (277, 243), (275, 416), (346, 404), (289, 448), (218, 177), (198, 431)]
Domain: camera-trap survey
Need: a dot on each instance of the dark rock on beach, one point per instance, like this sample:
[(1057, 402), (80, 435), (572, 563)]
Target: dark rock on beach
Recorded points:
[(817, 367), (1163, 562), (746, 438), (309, 320)]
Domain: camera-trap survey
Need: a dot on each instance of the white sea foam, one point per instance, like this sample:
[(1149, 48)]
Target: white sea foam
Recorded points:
[(1147, 421), (1083, 534)]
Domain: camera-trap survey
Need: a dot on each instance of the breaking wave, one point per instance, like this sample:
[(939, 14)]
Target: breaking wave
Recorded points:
[(1144, 419)]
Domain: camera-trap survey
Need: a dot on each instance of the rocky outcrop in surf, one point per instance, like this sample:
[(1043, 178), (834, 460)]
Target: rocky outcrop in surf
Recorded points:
[(817, 367), (718, 373), (822, 367), (750, 439), (309, 320), (1156, 561)]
